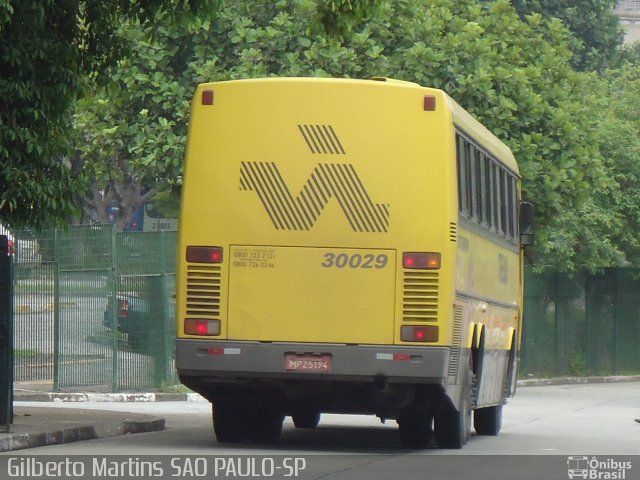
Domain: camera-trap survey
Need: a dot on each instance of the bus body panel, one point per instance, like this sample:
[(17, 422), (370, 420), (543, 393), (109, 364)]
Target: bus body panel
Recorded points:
[(258, 182), (308, 294)]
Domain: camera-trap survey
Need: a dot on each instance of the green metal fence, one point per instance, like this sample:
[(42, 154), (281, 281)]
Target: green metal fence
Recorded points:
[(586, 324), (95, 309)]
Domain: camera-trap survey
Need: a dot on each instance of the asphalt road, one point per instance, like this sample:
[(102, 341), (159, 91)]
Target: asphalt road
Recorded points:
[(543, 427)]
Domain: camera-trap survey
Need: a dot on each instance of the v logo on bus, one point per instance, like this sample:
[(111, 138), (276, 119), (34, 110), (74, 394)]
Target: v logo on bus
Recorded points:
[(327, 181)]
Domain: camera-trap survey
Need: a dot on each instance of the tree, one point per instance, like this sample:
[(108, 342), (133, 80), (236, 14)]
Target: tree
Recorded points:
[(515, 76), (131, 132), (47, 50), (615, 98), (596, 29)]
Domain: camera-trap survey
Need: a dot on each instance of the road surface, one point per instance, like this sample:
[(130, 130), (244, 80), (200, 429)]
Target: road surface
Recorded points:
[(543, 427)]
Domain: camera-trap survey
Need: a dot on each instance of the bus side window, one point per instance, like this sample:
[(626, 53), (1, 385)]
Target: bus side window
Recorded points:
[(513, 202), (463, 176)]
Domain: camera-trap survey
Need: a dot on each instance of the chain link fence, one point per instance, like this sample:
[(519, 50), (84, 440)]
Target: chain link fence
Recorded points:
[(95, 309), (586, 324)]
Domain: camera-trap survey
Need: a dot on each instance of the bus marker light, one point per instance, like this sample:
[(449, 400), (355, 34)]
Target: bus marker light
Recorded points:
[(421, 260), (419, 333), (204, 254), (429, 103), (207, 97), (197, 326)]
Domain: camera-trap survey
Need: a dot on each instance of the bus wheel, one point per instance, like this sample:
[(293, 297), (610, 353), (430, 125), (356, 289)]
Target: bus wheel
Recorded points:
[(415, 429), (266, 424), (488, 420), (229, 423), (452, 427), (306, 419)]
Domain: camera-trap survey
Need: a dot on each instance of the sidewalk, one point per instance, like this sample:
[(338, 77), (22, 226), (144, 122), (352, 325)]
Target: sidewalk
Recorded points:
[(41, 426), (38, 427)]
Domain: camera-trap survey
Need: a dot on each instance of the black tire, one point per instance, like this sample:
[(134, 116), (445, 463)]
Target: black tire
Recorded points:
[(266, 426), (415, 429), (452, 427), (307, 419), (488, 420), (228, 422), (237, 421)]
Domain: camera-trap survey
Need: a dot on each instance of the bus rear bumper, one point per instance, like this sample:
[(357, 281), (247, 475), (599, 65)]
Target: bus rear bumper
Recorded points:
[(231, 361)]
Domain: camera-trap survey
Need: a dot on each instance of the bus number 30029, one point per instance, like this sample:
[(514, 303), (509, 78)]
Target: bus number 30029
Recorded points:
[(355, 260)]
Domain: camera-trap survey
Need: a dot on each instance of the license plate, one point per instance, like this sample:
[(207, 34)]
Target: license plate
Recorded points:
[(308, 363)]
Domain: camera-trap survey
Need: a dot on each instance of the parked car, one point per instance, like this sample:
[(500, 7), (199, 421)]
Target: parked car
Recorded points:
[(137, 319), (132, 313)]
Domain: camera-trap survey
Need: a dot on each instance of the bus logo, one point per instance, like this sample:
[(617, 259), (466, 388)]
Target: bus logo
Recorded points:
[(578, 467), (327, 181)]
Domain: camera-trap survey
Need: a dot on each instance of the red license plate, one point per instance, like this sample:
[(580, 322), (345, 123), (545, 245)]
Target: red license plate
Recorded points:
[(308, 363)]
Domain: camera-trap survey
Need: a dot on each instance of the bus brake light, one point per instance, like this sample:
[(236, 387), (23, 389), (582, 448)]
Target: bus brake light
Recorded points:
[(419, 333), (421, 260), (204, 254), (197, 326)]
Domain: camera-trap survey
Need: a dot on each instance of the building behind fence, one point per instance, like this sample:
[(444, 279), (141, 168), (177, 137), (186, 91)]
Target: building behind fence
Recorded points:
[(71, 287)]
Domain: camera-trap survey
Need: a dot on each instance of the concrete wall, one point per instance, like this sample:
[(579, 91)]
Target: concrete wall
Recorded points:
[(629, 13)]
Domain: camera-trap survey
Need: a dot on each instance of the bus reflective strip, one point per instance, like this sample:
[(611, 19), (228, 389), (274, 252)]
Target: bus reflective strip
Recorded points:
[(384, 356), (224, 351), (396, 357)]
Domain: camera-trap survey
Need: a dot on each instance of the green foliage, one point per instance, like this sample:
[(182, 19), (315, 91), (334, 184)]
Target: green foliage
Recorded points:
[(576, 149), (615, 99), (596, 30), (47, 50)]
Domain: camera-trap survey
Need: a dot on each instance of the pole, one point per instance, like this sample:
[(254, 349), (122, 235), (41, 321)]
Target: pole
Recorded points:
[(6, 335)]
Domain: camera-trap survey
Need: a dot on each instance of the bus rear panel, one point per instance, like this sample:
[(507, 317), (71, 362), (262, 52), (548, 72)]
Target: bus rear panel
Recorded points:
[(320, 261)]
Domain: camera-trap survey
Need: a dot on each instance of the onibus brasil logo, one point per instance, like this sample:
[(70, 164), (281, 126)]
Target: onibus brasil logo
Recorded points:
[(596, 468)]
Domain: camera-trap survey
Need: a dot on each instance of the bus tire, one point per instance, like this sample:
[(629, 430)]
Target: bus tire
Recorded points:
[(452, 427), (415, 429), (488, 420), (266, 426), (229, 424), (306, 419)]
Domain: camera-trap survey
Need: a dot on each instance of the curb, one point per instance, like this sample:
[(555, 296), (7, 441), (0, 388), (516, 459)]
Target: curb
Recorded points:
[(541, 382), (106, 397), (79, 433)]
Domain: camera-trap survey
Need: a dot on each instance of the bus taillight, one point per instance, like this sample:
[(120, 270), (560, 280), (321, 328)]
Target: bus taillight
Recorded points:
[(204, 254), (419, 333), (198, 326), (421, 260)]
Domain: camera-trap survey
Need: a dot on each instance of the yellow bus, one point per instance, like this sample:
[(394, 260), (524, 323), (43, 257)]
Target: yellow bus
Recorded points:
[(347, 246)]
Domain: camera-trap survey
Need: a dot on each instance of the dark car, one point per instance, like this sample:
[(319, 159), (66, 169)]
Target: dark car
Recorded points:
[(133, 319)]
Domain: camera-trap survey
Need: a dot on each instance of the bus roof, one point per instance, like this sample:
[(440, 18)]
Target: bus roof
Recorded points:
[(468, 124)]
